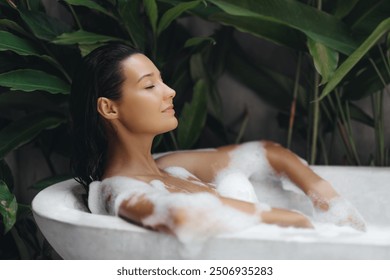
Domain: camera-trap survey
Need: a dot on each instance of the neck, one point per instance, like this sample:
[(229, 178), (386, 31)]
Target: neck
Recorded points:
[(130, 155)]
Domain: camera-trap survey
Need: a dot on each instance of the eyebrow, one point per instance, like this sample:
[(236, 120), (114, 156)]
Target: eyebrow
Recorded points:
[(147, 75)]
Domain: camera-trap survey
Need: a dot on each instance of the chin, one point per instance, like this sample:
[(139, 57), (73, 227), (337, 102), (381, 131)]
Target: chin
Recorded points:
[(173, 125)]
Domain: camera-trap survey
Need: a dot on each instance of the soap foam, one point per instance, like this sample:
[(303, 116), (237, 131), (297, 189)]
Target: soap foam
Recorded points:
[(341, 212), (193, 218), (244, 161), (182, 173), (236, 185), (179, 172)]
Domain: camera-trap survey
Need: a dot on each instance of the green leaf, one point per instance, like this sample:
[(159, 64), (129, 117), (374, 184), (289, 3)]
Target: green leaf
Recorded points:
[(364, 82), (355, 57), (34, 5), (44, 183), (318, 25), (193, 117), (359, 115), (197, 67), (25, 100), (325, 59), (32, 80), (13, 26), (24, 130), (82, 37), (43, 26), (129, 12), (8, 206), (10, 42), (152, 12), (272, 31), (344, 7), (6, 174), (174, 13), (91, 5), (196, 41), (366, 16), (86, 49)]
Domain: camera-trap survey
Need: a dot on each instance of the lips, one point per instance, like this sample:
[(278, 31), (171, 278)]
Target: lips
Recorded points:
[(168, 109)]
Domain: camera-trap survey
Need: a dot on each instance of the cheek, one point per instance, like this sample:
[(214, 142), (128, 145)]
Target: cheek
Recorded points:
[(142, 113)]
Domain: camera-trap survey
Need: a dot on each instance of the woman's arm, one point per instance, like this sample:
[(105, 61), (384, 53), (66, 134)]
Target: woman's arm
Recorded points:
[(206, 166), (173, 216)]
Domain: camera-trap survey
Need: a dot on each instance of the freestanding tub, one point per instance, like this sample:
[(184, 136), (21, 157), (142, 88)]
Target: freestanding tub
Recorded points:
[(77, 234)]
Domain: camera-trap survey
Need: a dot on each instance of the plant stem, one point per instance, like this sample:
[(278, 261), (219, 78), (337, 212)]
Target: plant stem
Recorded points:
[(55, 63), (294, 101), (323, 149), (22, 248), (387, 66), (316, 117), (243, 126), (377, 107), (378, 72), (76, 19), (346, 132), (316, 109), (351, 140)]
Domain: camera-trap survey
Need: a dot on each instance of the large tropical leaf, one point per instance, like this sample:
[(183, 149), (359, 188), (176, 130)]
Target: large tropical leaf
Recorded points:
[(82, 37), (32, 80), (344, 7), (366, 16), (193, 117), (26, 101), (8, 206), (130, 18), (6, 174), (272, 31), (43, 26), (365, 81), (91, 5), (26, 129), (317, 25), (6, 23), (174, 13), (359, 115), (325, 59), (152, 12), (356, 56), (10, 42)]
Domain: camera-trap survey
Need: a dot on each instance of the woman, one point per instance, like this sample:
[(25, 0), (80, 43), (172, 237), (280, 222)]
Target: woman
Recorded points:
[(119, 103)]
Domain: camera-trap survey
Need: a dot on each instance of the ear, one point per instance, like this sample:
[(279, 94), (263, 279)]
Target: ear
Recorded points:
[(107, 108)]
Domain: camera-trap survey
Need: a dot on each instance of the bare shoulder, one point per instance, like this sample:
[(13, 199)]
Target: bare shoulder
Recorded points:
[(204, 164)]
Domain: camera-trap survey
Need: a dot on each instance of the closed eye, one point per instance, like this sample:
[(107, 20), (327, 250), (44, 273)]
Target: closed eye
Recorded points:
[(150, 87)]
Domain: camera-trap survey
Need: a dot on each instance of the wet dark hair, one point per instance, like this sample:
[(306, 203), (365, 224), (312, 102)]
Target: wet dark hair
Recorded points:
[(99, 75)]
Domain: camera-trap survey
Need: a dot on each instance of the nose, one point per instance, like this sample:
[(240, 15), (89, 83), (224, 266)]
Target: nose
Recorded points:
[(169, 92)]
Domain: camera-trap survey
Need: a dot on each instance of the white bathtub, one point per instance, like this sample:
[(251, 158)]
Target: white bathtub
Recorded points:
[(76, 234)]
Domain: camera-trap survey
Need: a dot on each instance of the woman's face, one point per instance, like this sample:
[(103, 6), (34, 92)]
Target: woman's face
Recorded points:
[(146, 105)]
